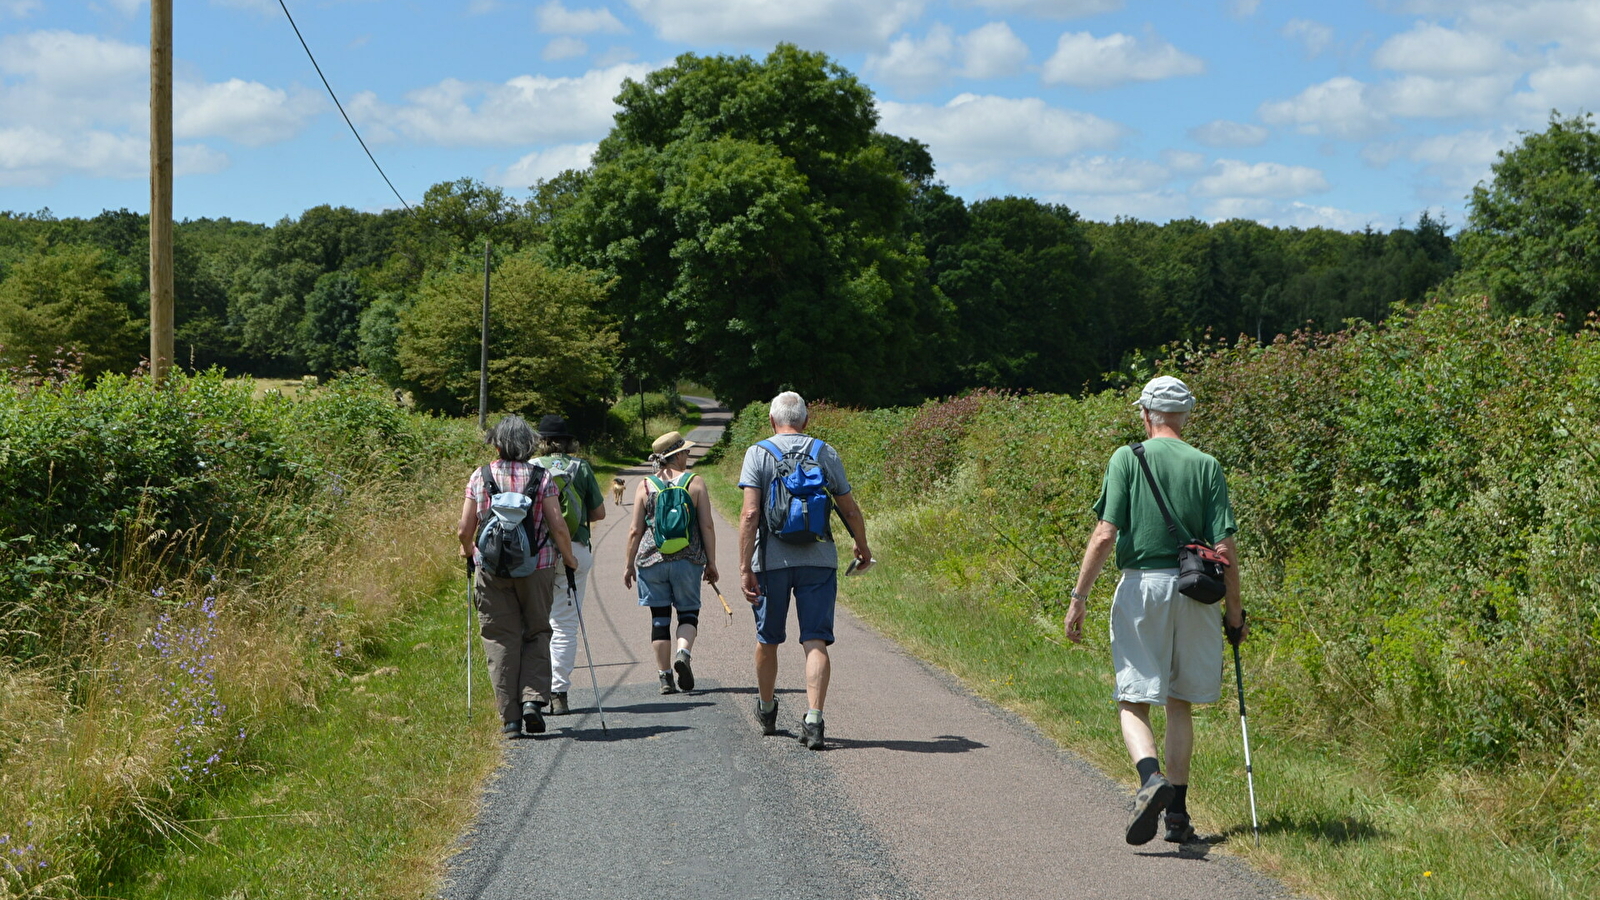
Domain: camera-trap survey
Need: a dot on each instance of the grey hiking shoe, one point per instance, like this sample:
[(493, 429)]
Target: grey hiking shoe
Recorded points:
[(512, 729), (1147, 806), (1179, 831), (680, 664), (811, 735), (558, 703), (667, 687), (532, 719), (768, 720)]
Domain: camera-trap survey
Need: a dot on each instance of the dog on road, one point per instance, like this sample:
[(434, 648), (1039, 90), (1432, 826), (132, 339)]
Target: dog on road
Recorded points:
[(617, 484)]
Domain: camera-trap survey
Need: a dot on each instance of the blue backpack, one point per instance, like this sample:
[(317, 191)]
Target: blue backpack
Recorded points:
[(797, 499)]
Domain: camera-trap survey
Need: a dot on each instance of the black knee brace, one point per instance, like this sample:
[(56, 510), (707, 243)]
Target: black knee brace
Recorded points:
[(660, 623), (692, 619)]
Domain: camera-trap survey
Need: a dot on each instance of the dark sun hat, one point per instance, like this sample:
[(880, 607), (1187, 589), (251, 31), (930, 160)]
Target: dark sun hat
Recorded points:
[(553, 426)]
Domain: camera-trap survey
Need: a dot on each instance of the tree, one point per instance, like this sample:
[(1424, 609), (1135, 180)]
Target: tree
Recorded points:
[(754, 225), (66, 300), (550, 351), (1533, 233), (329, 327)]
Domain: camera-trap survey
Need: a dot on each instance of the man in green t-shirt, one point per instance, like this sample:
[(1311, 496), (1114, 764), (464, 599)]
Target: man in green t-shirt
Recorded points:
[(1166, 648), (580, 493)]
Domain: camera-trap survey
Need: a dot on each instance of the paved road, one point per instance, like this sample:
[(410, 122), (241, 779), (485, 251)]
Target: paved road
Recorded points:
[(926, 791)]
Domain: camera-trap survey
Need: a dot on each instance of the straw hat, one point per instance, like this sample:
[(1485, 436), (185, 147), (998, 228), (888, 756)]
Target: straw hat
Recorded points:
[(670, 444)]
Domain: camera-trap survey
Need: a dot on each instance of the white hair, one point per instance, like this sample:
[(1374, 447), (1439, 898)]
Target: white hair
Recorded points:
[(789, 410), (1173, 420)]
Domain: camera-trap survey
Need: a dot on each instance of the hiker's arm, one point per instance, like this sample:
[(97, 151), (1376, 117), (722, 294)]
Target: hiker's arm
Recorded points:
[(635, 532), (467, 528), (747, 544), (851, 511), (708, 529), (1101, 543), (1233, 601), (558, 530)]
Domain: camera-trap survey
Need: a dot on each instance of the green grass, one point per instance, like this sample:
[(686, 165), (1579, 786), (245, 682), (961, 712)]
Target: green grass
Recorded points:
[(1330, 827), (361, 795)]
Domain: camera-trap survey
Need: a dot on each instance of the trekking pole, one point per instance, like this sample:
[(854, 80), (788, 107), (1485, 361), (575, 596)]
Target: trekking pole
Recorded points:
[(572, 594), (1250, 780), (725, 607), (471, 606)]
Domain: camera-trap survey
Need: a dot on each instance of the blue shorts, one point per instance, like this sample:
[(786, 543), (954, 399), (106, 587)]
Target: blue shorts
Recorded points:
[(671, 583), (814, 589)]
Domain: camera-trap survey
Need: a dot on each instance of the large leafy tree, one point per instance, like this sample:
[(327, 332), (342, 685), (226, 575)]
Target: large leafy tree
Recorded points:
[(68, 300), (1533, 232), (753, 223)]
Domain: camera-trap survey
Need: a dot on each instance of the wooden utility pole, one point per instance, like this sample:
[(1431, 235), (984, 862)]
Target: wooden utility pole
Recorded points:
[(483, 359), (161, 299)]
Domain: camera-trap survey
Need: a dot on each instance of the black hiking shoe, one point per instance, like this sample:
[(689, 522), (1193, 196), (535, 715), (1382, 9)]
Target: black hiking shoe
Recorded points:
[(680, 664), (558, 703), (811, 735), (1147, 806), (512, 729), (1179, 831), (532, 719), (768, 720), (667, 687)]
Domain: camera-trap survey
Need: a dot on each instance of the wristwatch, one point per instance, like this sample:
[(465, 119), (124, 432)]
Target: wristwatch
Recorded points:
[(1077, 596)]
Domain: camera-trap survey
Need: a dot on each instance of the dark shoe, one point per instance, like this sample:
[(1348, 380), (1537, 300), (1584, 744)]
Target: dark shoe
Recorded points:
[(767, 720), (680, 665), (667, 687), (558, 704), (511, 729), (1179, 831), (1147, 807), (532, 720), (811, 735)]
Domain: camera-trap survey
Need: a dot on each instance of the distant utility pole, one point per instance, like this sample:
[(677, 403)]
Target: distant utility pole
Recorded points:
[(161, 297), (483, 358)]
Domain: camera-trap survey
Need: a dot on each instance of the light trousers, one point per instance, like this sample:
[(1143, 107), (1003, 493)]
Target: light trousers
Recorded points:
[(564, 621)]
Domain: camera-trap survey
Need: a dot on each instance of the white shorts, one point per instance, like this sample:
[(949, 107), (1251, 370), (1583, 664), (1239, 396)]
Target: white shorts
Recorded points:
[(1164, 644)]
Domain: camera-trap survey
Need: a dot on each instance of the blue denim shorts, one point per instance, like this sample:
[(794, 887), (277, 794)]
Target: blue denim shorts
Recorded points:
[(673, 583), (814, 589)]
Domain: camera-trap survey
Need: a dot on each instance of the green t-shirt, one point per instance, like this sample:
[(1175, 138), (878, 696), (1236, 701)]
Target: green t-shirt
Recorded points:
[(588, 490), (1196, 493)]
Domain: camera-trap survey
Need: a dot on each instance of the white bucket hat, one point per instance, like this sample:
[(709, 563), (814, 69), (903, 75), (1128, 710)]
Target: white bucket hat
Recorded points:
[(1166, 394)]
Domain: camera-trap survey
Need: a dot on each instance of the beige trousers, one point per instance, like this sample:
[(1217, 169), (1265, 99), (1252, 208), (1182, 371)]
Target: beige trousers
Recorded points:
[(514, 620)]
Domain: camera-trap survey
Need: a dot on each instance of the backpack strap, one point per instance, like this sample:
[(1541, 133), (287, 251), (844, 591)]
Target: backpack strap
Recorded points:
[(770, 447), (815, 449), (1161, 504), (656, 480), (488, 481)]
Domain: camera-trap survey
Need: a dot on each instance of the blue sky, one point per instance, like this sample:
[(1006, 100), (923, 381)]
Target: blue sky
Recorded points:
[(1342, 114)]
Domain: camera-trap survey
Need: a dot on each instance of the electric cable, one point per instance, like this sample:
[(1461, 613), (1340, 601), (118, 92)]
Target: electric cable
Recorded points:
[(340, 107)]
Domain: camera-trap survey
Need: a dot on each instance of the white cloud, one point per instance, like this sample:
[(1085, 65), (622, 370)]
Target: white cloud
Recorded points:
[(528, 109), (1226, 133), (1305, 215), (1564, 87), (1423, 97), (1083, 60), (1093, 175), (992, 51), (557, 19), (1234, 178), (1338, 107), (1185, 162), (1429, 49), (1569, 29), (1453, 162), (483, 7), (821, 24), (65, 60), (974, 129), (247, 112), (19, 9), (1054, 9), (563, 47), (1243, 9), (1152, 206), (1316, 36), (544, 164), (615, 55), (127, 7)]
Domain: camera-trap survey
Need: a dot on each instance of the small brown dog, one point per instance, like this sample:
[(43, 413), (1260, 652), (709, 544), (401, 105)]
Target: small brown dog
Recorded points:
[(617, 484)]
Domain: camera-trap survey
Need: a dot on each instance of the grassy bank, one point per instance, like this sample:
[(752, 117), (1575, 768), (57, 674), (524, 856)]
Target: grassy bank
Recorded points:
[(1418, 545)]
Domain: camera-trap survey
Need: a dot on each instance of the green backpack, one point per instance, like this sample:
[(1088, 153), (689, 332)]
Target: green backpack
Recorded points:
[(565, 471), (674, 514)]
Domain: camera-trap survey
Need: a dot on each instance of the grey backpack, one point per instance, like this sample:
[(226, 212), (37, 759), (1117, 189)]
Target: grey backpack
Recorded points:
[(504, 542)]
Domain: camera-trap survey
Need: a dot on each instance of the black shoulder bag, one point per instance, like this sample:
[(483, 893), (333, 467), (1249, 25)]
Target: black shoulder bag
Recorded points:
[(1200, 566)]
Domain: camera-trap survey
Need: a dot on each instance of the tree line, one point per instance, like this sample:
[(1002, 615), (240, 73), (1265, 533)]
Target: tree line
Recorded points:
[(746, 225)]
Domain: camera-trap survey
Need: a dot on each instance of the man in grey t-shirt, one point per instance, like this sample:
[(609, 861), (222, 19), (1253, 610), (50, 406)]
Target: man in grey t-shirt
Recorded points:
[(773, 571)]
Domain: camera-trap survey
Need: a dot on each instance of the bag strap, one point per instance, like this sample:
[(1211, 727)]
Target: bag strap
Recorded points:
[(488, 481), (1138, 450)]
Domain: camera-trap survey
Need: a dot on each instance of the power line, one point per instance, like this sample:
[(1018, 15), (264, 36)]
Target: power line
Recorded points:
[(341, 108)]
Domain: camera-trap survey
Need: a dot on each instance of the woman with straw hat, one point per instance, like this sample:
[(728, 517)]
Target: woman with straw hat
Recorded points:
[(672, 547)]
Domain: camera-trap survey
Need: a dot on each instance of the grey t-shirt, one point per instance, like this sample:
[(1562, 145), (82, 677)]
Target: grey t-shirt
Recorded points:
[(760, 467)]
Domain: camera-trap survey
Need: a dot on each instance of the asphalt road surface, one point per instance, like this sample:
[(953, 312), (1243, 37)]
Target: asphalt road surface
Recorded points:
[(925, 791)]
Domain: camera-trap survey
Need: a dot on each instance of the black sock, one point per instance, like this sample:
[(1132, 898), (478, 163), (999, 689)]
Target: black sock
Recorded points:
[(1180, 796), (1147, 767)]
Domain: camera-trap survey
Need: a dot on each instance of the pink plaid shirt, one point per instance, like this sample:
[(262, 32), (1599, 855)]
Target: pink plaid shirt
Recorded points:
[(513, 476)]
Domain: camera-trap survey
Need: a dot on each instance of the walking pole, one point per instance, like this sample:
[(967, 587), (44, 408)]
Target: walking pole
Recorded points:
[(725, 607), (471, 606), (1250, 780), (572, 596)]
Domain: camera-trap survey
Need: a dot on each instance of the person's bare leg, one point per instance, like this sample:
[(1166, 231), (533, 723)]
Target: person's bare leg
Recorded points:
[(1179, 740), (686, 635), (819, 669), (766, 670), (663, 651), (1136, 731)]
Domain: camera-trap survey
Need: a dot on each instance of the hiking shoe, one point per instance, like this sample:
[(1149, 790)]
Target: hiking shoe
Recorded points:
[(667, 687), (1179, 831), (811, 736), (1147, 807), (532, 719), (512, 729), (767, 720), (680, 664), (558, 703)]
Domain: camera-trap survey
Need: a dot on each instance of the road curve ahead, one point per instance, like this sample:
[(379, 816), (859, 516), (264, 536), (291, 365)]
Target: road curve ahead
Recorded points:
[(925, 791)]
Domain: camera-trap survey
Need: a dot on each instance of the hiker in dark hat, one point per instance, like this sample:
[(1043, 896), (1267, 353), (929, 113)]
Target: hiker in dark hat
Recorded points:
[(582, 504)]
